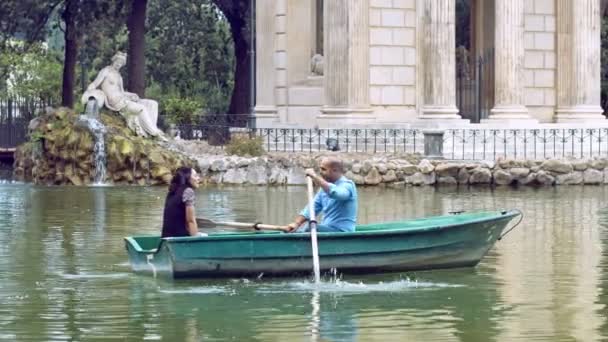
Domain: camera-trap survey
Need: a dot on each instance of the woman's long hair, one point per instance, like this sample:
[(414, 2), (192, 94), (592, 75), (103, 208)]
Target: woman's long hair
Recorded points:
[(180, 180)]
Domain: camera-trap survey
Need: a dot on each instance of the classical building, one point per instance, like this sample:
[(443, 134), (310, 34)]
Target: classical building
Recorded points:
[(379, 63)]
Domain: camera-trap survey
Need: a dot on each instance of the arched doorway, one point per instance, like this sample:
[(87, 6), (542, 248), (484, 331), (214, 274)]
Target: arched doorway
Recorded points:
[(475, 58)]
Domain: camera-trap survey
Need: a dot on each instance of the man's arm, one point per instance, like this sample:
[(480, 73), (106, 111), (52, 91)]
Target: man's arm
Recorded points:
[(305, 213), (318, 180), (297, 222), (340, 192)]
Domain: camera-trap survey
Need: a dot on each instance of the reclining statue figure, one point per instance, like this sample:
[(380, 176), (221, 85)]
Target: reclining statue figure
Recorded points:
[(107, 89)]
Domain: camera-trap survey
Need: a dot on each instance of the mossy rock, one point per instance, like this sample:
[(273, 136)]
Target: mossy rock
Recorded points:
[(65, 155), (126, 147), (159, 172), (156, 157)]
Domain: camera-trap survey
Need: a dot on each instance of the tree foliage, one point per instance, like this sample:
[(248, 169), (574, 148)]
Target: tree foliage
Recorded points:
[(190, 53), (31, 21), (34, 75)]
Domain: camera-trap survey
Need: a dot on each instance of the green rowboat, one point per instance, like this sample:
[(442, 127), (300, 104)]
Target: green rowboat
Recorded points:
[(428, 243)]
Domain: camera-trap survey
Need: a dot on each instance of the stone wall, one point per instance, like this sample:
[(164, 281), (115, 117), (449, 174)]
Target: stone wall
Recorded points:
[(401, 170), (392, 53), (540, 58)]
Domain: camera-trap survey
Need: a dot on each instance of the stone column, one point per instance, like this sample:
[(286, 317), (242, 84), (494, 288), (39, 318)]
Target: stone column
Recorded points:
[(346, 47), (438, 55), (578, 61), (265, 58), (509, 61)]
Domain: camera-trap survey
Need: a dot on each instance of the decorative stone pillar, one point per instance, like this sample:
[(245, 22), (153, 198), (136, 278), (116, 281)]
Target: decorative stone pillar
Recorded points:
[(578, 61), (438, 40), (265, 59), (509, 61), (346, 47)]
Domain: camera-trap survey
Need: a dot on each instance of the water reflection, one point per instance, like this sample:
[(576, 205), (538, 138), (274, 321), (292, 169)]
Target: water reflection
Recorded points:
[(63, 273), (314, 316)]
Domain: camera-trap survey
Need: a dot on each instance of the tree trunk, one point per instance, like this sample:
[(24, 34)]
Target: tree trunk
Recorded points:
[(71, 51), (136, 59), (240, 103), (237, 13)]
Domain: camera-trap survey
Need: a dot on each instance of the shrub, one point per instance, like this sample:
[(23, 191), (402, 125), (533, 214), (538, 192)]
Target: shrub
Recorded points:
[(181, 111), (243, 145)]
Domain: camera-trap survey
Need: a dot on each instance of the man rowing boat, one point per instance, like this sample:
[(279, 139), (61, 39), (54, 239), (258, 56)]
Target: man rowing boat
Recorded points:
[(337, 200)]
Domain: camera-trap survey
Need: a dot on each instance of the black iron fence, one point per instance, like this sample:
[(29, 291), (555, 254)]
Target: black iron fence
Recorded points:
[(13, 134), (458, 144), (19, 108), (532, 144), (214, 127), (345, 140), (15, 114)]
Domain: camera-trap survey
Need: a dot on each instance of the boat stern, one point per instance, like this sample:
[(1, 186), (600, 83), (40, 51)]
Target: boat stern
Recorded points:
[(145, 254)]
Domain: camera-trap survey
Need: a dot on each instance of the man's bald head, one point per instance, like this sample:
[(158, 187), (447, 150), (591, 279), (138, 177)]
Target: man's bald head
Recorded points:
[(333, 163), (331, 168)]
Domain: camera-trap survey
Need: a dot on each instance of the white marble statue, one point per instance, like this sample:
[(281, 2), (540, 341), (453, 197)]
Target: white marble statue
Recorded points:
[(317, 64), (108, 90)]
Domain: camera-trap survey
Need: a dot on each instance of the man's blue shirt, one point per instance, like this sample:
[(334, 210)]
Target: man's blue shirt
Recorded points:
[(339, 206)]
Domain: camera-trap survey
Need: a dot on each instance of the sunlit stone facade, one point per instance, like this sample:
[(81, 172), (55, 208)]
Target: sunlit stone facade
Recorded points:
[(391, 63)]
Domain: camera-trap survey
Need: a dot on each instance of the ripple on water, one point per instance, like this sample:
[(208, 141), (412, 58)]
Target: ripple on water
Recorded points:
[(89, 276), (197, 290), (340, 286)]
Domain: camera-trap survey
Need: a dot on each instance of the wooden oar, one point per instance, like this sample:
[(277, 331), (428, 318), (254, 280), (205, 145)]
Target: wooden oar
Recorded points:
[(206, 223), (313, 231)]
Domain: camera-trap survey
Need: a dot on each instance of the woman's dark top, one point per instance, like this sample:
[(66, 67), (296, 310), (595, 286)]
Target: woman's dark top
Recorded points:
[(174, 215)]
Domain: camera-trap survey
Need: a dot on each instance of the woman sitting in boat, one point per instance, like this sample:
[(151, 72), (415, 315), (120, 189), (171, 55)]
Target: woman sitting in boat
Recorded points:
[(179, 218), (337, 200)]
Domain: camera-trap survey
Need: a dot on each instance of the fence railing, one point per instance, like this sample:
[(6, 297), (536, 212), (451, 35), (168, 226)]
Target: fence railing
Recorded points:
[(525, 143), (13, 134), (458, 144), (15, 114), (15, 108), (345, 140)]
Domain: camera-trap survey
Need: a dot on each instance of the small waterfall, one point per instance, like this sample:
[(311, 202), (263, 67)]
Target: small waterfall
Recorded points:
[(91, 109), (99, 149)]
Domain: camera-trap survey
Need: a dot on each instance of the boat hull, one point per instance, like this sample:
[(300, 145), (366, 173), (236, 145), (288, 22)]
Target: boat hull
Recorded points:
[(279, 254)]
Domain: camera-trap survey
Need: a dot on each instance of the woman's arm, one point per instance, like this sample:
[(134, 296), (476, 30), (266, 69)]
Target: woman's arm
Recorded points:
[(189, 198), (191, 221), (100, 77)]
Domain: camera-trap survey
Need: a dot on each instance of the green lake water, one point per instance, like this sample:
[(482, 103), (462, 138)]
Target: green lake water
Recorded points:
[(64, 274)]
